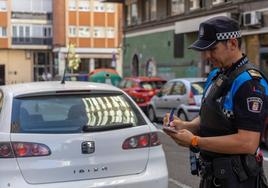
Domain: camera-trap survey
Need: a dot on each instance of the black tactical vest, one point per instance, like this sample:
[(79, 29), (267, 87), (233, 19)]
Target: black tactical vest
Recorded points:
[(213, 121)]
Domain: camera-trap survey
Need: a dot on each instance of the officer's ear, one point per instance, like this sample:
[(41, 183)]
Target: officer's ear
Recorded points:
[(232, 43)]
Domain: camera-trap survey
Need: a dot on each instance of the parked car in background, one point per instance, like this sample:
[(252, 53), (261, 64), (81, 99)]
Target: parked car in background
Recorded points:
[(183, 94), (142, 89), (76, 134)]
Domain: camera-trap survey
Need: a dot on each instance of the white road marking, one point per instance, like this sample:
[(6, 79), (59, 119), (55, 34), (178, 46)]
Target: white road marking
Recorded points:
[(178, 183)]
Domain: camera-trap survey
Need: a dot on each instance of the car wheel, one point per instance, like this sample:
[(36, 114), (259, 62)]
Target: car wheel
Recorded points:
[(182, 115), (151, 114)]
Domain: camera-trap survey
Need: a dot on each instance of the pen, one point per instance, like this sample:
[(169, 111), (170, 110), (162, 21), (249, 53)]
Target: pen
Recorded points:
[(171, 118)]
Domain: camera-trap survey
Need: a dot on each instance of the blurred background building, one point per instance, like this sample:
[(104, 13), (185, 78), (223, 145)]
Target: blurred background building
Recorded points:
[(35, 34), (157, 34)]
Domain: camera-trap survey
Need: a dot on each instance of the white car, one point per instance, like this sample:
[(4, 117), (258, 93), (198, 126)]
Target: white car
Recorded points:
[(183, 94), (77, 134)]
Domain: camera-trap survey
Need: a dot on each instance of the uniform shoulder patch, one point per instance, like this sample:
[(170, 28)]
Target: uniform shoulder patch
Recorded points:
[(255, 74), (254, 104)]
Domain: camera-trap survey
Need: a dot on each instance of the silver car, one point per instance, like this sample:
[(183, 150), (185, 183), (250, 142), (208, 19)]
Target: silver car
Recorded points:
[(76, 134), (183, 94)]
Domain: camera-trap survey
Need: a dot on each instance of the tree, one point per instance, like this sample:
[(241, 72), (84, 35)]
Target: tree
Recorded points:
[(73, 58)]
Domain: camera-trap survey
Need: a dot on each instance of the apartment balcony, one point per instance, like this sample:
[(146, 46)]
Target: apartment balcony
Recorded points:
[(31, 16), (31, 41)]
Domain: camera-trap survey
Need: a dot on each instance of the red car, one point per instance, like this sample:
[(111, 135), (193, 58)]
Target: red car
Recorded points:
[(142, 88)]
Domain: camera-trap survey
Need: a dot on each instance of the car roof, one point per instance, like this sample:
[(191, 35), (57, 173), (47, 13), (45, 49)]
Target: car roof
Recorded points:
[(36, 87), (196, 79), (144, 78)]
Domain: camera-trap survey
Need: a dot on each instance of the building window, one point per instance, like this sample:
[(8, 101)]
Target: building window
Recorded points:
[(110, 7), (3, 31), (47, 31), (179, 45), (84, 31), (3, 5), (72, 4), (99, 7), (32, 6), (84, 5), (146, 11), (110, 33), (149, 10), (195, 4), (216, 2), (99, 32), (72, 31), (21, 31), (153, 9), (177, 7)]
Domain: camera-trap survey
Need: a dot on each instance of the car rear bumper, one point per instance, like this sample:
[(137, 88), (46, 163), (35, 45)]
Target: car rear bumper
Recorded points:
[(155, 175)]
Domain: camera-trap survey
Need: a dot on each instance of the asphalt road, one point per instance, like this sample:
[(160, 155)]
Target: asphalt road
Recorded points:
[(178, 164)]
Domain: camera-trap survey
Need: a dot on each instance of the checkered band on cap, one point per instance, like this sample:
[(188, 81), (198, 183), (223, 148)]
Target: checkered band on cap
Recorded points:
[(228, 35)]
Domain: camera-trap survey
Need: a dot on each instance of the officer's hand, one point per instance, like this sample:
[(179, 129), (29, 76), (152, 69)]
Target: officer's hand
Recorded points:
[(182, 137), (176, 123)]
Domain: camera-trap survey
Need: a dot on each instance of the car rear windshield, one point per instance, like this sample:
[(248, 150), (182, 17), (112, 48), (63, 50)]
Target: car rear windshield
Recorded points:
[(152, 84), (197, 88), (72, 113)]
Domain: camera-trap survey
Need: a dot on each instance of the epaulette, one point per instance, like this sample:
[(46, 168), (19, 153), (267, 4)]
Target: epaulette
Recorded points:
[(255, 74)]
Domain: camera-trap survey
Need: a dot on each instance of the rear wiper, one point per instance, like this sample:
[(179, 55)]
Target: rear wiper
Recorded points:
[(88, 128)]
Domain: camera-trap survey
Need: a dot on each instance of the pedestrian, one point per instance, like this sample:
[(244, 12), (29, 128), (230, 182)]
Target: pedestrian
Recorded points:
[(226, 134)]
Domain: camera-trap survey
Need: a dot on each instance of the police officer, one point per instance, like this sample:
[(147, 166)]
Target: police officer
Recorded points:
[(234, 105)]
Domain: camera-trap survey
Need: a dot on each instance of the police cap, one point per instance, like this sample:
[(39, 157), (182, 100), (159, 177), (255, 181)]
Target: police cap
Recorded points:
[(216, 29)]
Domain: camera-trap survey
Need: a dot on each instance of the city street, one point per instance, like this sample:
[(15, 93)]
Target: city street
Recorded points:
[(178, 163)]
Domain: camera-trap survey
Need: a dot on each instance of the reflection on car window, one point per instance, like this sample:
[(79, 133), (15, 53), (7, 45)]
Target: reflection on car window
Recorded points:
[(146, 85), (178, 89), (152, 84), (197, 88), (165, 90), (63, 114)]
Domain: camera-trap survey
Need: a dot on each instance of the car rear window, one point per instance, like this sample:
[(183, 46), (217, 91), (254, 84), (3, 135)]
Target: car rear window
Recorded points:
[(70, 113), (152, 84), (197, 88)]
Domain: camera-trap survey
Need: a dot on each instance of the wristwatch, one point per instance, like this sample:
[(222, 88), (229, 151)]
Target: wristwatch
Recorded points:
[(194, 145)]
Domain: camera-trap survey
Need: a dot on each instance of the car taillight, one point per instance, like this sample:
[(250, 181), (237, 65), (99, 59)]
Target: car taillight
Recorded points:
[(23, 149), (26, 149), (191, 100), (141, 141), (5, 150)]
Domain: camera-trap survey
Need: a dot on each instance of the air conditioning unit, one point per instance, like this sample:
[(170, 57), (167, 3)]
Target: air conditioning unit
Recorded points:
[(216, 2), (194, 4), (252, 18)]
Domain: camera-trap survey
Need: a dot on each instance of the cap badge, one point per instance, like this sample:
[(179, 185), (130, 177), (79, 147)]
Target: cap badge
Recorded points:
[(201, 31)]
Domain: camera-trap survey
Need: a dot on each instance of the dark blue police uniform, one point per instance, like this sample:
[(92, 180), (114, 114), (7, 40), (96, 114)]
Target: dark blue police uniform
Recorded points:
[(242, 104), (234, 99)]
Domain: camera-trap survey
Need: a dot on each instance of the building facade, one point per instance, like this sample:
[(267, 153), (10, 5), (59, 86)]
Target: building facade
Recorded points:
[(35, 34), (157, 34)]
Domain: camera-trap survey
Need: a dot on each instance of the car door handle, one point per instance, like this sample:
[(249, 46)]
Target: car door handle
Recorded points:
[(178, 99), (165, 100)]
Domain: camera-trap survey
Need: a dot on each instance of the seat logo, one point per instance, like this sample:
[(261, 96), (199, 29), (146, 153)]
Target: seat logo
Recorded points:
[(88, 147)]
